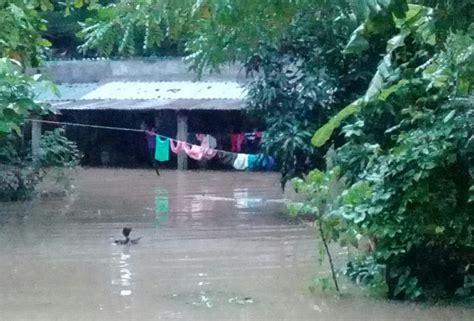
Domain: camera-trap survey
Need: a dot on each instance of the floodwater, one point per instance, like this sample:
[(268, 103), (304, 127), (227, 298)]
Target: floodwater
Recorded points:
[(215, 247)]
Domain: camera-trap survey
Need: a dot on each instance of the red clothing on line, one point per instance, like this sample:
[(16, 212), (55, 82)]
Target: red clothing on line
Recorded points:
[(236, 141)]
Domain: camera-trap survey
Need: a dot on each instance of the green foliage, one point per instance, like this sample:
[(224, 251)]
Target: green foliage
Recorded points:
[(419, 211), (21, 44), (17, 182), (16, 97), (63, 26), (411, 47), (20, 174), (22, 26), (234, 30), (302, 80), (136, 27), (411, 143), (216, 31), (322, 198), (417, 25), (57, 151)]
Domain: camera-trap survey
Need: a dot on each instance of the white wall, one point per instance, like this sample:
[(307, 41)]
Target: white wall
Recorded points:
[(87, 71)]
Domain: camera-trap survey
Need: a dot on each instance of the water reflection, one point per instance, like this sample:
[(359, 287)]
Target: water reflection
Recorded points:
[(121, 259), (244, 201), (162, 207)]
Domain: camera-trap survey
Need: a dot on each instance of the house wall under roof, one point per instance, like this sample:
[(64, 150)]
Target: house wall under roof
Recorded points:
[(126, 93)]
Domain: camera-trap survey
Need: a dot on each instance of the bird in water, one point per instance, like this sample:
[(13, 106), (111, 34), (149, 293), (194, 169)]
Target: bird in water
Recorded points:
[(126, 232)]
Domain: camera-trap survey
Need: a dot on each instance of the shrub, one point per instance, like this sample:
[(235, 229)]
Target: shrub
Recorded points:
[(19, 174)]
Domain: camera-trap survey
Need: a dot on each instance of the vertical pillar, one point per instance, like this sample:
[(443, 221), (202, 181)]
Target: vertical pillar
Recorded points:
[(182, 123), (35, 136)]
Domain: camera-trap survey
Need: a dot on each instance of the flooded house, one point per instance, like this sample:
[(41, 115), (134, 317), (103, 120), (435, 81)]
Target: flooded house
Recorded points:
[(139, 94)]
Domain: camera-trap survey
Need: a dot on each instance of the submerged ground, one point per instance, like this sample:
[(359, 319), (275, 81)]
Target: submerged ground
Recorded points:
[(215, 247)]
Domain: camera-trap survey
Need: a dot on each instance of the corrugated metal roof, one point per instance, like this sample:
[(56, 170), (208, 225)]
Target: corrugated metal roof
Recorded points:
[(136, 95), (167, 90), (147, 90), (152, 104)]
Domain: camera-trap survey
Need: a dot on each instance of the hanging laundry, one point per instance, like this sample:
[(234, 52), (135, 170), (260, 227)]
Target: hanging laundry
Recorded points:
[(194, 151), (209, 141), (227, 158), (236, 141), (151, 138), (151, 143), (176, 146), (198, 152), (261, 162), (271, 164), (162, 149), (250, 136), (208, 144), (253, 162), (266, 162), (252, 142), (241, 162), (208, 153)]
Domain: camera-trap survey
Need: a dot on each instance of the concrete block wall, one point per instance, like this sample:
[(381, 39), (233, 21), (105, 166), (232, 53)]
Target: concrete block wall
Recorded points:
[(102, 70)]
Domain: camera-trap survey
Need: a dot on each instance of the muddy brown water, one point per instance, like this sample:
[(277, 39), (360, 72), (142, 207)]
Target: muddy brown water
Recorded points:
[(214, 247)]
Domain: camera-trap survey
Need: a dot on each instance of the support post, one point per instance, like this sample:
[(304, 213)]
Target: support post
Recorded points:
[(35, 137), (182, 124)]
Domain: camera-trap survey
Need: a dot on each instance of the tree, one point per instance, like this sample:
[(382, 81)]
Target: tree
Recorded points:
[(410, 143), (22, 27), (140, 27), (21, 44)]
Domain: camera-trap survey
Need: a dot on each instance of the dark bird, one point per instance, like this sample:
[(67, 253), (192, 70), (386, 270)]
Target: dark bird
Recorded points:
[(126, 232)]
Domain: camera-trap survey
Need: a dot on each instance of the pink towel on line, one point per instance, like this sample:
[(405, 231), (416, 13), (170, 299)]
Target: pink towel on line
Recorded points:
[(176, 146), (198, 152), (193, 151)]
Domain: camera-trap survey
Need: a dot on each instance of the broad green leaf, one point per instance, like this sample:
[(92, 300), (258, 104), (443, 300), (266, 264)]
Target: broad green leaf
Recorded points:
[(16, 128), (385, 93), (323, 134), (78, 3), (357, 43), (449, 116), (44, 43), (396, 42)]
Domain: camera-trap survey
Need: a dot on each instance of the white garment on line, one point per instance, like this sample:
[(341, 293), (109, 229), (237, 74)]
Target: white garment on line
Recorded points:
[(241, 162)]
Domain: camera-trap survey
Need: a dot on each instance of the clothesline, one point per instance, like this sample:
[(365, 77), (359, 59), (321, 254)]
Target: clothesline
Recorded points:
[(121, 129)]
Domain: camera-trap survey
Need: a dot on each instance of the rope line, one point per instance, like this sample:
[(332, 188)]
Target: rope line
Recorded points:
[(118, 128)]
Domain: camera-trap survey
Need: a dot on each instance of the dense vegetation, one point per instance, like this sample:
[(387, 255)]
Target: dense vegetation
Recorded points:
[(21, 45), (408, 161)]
